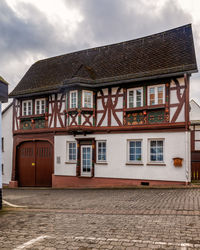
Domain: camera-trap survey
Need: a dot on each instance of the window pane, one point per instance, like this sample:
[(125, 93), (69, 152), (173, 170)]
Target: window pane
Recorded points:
[(160, 95), (101, 151), (152, 96), (88, 99), (131, 99), (135, 151), (156, 151), (72, 151), (138, 98)]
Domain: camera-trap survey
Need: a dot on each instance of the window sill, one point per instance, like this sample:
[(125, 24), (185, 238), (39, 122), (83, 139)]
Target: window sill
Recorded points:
[(31, 116), (101, 163), (135, 163), (156, 106), (85, 176), (87, 109), (156, 164), (70, 162)]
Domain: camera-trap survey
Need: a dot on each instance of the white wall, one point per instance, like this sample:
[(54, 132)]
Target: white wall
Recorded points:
[(194, 111), (8, 142), (0, 152), (177, 144)]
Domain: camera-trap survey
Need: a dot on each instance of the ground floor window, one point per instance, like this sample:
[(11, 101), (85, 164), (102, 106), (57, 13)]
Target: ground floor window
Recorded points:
[(156, 150), (101, 151), (71, 151), (134, 151)]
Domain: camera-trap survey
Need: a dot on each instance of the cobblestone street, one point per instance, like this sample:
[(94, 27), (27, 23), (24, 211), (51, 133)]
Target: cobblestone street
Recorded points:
[(101, 219)]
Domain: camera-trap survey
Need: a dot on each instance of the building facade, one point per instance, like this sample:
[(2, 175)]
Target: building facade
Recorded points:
[(3, 98), (116, 115), (195, 140), (7, 142)]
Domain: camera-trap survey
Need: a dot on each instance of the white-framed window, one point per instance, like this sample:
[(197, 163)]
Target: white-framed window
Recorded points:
[(101, 151), (27, 108), (87, 99), (134, 151), (156, 94), (73, 99), (156, 150), (71, 151), (135, 97), (40, 106)]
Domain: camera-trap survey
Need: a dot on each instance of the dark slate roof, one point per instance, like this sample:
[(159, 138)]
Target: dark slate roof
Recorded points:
[(170, 52)]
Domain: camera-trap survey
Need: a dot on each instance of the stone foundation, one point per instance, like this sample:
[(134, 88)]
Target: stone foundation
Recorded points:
[(87, 182)]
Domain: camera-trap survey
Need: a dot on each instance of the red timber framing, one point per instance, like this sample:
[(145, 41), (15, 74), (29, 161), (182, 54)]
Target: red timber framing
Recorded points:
[(56, 115), (182, 99), (109, 106), (59, 117)]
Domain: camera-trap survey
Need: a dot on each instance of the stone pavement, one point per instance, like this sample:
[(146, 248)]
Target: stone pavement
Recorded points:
[(101, 219)]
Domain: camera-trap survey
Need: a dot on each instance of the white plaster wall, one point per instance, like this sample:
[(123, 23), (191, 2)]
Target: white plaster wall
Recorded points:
[(175, 146), (0, 152), (119, 103), (173, 97), (172, 112), (197, 145), (181, 81), (181, 116), (197, 135), (8, 142), (99, 104), (60, 150)]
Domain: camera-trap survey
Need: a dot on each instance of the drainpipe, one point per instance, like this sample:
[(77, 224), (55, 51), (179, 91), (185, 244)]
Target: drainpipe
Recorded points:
[(187, 157)]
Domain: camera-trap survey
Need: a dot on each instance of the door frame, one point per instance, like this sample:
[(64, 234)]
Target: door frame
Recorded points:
[(89, 174), (88, 141)]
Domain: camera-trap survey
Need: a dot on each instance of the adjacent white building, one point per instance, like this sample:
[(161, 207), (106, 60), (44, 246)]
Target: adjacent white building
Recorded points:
[(3, 98), (7, 142)]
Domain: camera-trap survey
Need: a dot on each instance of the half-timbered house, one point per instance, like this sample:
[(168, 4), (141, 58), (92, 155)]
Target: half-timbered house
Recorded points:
[(116, 115)]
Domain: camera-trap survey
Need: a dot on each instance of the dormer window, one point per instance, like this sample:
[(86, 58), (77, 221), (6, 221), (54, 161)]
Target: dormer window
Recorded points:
[(73, 99), (87, 99), (135, 97), (40, 106), (27, 108), (156, 94)]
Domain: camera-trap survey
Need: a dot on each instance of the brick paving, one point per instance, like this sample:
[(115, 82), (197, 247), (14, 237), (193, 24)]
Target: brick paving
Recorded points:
[(101, 219)]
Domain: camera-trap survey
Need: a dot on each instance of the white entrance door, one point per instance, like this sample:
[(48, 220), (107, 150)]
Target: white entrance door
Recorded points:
[(86, 160)]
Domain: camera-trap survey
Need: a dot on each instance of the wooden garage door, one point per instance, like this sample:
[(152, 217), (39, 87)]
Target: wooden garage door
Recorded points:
[(35, 164)]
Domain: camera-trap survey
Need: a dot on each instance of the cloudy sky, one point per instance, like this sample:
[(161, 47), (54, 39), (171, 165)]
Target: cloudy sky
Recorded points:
[(35, 29)]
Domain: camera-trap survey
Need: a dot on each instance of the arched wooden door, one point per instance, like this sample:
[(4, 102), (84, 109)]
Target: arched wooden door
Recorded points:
[(35, 164)]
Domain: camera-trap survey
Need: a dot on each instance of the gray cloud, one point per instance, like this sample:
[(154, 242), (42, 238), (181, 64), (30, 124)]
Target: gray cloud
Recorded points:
[(104, 22)]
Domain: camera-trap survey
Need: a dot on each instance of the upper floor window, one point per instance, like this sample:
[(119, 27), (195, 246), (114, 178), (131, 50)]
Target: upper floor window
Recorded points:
[(40, 106), (73, 99), (27, 108), (156, 94), (135, 97), (87, 99)]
